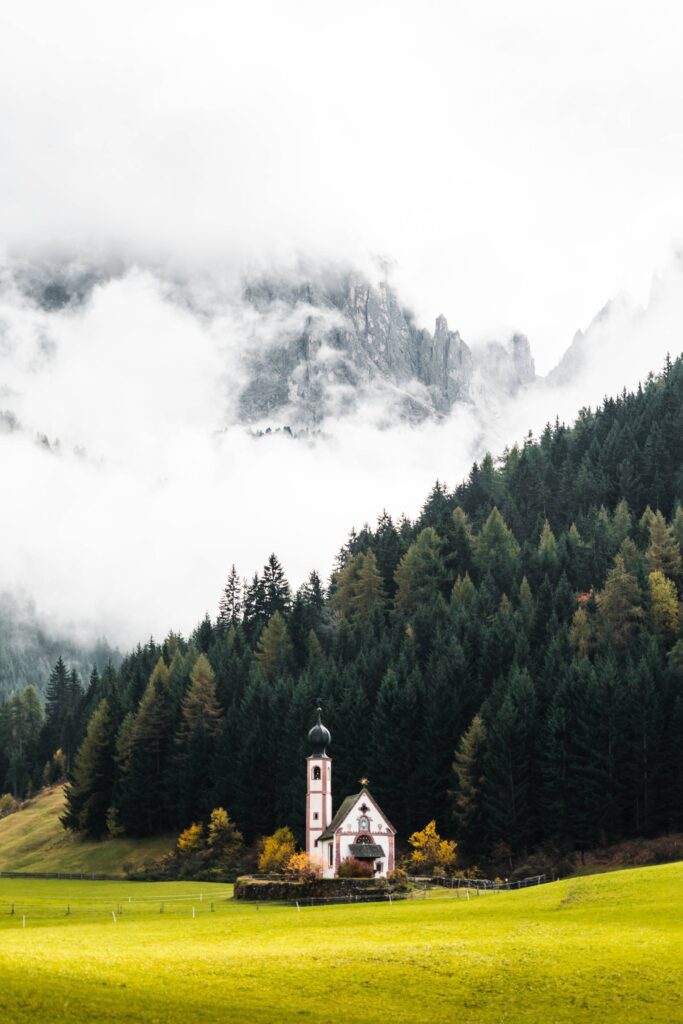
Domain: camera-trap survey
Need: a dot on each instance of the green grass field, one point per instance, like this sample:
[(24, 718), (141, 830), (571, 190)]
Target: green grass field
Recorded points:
[(33, 840), (605, 948)]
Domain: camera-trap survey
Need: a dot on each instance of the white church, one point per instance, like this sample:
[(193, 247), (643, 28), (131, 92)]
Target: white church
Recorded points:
[(359, 829)]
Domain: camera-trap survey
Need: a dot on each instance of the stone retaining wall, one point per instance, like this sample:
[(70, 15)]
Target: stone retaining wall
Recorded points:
[(247, 888)]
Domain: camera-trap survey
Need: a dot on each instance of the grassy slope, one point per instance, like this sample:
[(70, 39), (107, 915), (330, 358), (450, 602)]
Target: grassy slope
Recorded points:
[(33, 840), (601, 949)]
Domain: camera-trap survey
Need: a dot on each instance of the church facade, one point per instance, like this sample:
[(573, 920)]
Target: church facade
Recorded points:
[(359, 829)]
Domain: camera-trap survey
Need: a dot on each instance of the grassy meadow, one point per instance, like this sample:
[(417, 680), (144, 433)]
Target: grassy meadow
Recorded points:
[(595, 949), (33, 840)]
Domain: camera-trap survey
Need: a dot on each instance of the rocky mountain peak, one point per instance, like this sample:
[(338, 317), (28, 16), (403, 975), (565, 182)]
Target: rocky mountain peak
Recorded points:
[(356, 340)]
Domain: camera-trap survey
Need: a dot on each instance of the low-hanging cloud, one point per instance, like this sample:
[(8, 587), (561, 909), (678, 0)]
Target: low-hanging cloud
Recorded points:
[(126, 519)]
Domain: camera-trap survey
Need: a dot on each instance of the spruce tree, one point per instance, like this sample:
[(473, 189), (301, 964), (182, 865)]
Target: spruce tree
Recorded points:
[(274, 648), (496, 550), (620, 605), (508, 764), (468, 794), (56, 708), (230, 605), (144, 800), (664, 552), (368, 589), (421, 572), (90, 786)]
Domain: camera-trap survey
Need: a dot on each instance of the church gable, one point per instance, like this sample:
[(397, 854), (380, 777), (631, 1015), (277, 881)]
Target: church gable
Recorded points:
[(363, 815)]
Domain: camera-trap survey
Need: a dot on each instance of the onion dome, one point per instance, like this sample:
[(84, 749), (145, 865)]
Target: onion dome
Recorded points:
[(319, 737)]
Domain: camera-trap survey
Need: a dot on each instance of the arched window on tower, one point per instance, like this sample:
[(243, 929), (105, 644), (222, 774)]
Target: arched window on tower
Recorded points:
[(364, 824), (316, 773)]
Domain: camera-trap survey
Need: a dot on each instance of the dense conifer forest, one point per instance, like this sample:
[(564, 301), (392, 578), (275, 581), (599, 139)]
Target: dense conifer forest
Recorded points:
[(511, 664)]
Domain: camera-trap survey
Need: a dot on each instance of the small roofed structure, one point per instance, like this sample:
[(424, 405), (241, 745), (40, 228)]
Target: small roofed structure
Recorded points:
[(359, 829)]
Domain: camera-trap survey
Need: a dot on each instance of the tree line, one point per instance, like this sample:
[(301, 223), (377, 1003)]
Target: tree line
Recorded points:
[(509, 664)]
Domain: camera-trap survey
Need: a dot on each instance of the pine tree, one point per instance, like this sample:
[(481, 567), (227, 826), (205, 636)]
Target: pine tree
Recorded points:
[(664, 552), (664, 606), (495, 549), (677, 525), (620, 605), (575, 792), (508, 764), (274, 648), (395, 728), (230, 606), (622, 522), (278, 596), (388, 551), (582, 633), (547, 551), (200, 702), (464, 594), (420, 573), (343, 587), (461, 542), (468, 794), (368, 589), (90, 786), (527, 608), (144, 797), (56, 708)]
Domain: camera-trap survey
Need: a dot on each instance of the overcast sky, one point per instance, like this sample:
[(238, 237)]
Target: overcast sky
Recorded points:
[(521, 164)]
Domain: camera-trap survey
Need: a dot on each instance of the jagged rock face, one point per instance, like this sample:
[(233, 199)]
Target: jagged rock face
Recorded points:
[(318, 348), (356, 341)]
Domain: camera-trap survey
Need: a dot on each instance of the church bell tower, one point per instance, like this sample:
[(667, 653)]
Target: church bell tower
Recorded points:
[(318, 787)]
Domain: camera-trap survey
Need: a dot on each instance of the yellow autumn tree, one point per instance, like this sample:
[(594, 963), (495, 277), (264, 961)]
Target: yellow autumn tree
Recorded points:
[(664, 608), (664, 553), (191, 840), (430, 851), (224, 839), (274, 647), (200, 703), (277, 850), (582, 633), (302, 867)]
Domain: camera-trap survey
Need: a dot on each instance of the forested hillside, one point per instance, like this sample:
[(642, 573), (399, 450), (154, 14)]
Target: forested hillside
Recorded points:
[(28, 649), (511, 663)]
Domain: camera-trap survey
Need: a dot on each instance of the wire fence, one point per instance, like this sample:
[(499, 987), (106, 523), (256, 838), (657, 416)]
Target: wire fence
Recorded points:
[(90, 907), (216, 901), (484, 884), (80, 876)]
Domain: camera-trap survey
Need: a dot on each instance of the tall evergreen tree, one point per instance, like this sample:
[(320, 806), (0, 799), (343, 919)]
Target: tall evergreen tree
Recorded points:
[(90, 786), (230, 605)]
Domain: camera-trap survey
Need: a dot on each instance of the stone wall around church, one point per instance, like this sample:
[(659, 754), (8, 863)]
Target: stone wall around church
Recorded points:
[(261, 889)]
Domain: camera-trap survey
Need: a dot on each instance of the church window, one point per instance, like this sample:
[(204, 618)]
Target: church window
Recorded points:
[(363, 839), (364, 823), (329, 854), (315, 815), (316, 772)]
